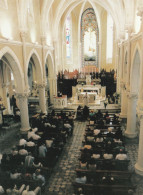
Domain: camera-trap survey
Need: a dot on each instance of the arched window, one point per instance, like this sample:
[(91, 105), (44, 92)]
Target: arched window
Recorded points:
[(68, 38), (89, 38), (109, 50)]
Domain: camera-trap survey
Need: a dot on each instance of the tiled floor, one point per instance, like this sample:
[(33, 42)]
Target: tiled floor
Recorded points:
[(60, 181), (63, 175)]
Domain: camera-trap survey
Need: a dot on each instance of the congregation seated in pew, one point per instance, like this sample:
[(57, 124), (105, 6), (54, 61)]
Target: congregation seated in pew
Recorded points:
[(37, 151)]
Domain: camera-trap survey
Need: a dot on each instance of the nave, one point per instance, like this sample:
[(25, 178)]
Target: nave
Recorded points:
[(63, 175)]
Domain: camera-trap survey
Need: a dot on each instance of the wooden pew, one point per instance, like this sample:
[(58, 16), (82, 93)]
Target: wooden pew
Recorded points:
[(120, 176), (103, 189), (110, 164)]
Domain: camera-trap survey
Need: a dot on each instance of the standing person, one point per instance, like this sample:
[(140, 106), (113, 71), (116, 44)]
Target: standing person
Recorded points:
[(13, 103), (105, 104), (42, 153)]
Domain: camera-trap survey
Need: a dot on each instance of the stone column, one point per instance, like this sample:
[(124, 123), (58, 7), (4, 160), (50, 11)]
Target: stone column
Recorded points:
[(43, 40), (51, 89), (100, 58), (42, 99), (23, 38), (118, 70), (131, 116), (56, 55), (6, 97), (55, 86), (124, 102), (62, 67), (129, 30), (23, 106), (139, 164)]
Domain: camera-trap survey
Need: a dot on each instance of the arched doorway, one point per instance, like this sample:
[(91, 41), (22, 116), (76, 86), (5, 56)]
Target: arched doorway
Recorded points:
[(50, 77), (7, 89), (35, 80), (13, 84)]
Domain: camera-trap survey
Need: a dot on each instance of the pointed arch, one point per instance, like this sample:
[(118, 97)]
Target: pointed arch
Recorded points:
[(15, 66), (135, 71), (38, 65), (50, 58)]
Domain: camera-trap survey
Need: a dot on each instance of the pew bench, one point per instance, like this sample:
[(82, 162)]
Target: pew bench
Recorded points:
[(103, 189), (121, 177)]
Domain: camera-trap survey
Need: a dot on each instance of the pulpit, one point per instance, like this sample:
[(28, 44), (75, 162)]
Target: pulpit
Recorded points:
[(60, 102)]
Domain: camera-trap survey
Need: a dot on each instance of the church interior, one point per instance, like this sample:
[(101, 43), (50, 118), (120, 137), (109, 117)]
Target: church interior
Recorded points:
[(71, 97)]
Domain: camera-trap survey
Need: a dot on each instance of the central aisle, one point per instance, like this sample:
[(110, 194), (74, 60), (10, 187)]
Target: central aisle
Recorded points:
[(63, 175)]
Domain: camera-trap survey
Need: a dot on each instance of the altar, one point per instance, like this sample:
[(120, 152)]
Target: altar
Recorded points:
[(87, 94)]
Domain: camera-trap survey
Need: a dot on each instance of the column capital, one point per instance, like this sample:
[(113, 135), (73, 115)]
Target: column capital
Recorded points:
[(41, 85), (22, 95), (122, 85), (50, 79), (127, 87), (132, 95), (129, 29), (43, 39), (140, 11), (6, 84), (122, 35), (23, 35)]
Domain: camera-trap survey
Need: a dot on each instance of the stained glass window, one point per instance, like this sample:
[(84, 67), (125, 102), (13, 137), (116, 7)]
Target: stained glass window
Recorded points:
[(68, 37), (89, 38)]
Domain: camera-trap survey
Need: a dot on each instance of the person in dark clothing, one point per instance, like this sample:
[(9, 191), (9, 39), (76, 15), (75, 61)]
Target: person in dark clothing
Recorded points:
[(85, 112), (118, 134), (53, 113), (13, 103), (99, 114), (105, 104)]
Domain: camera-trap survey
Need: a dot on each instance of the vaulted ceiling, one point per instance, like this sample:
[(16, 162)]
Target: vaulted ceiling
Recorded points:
[(122, 11)]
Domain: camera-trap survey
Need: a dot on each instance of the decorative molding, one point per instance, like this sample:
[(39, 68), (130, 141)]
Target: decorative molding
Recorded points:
[(140, 10), (41, 85), (132, 95), (22, 95), (19, 43), (33, 45), (9, 41), (43, 40), (136, 37), (23, 35), (5, 84), (49, 47)]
